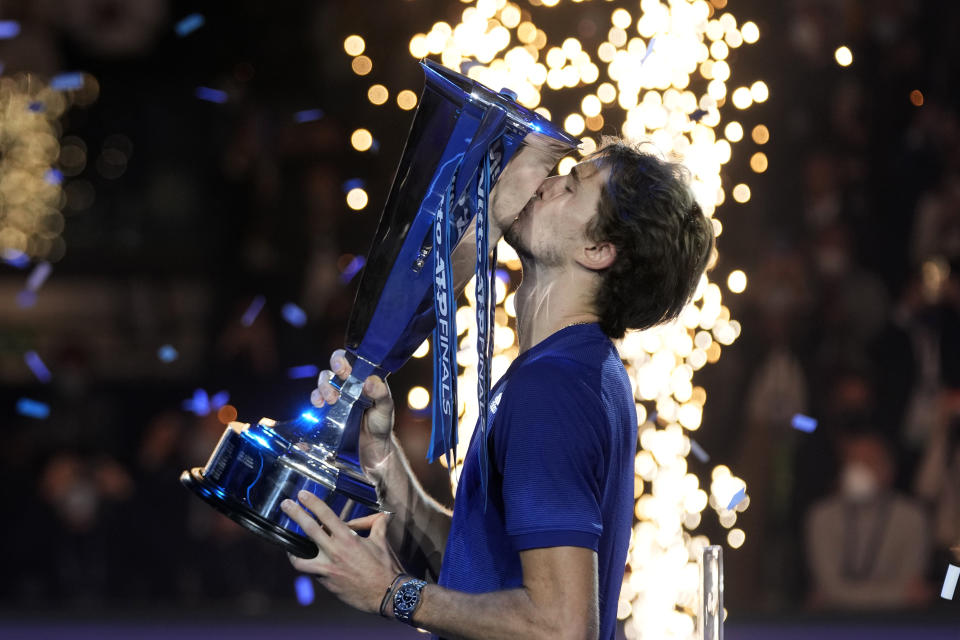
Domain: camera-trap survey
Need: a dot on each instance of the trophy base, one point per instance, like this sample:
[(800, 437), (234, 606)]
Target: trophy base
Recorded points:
[(246, 517), (254, 469)]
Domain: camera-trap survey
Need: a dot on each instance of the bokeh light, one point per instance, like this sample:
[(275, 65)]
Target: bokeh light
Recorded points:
[(843, 56), (357, 199), (418, 398)]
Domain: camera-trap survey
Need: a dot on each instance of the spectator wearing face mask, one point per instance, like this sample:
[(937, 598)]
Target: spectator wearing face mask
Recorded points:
[(867, 544)]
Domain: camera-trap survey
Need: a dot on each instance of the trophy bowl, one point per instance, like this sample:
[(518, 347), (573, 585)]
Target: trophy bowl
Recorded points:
[(462, 138)]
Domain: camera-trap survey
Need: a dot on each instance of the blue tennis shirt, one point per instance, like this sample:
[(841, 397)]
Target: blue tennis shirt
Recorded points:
[(562, 441)]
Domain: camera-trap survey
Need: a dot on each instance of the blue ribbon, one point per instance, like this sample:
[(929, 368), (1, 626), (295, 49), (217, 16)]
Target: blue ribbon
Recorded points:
[(445, 408), (486, 308)]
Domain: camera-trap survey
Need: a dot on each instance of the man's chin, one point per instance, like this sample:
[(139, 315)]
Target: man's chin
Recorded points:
[(512, 237)]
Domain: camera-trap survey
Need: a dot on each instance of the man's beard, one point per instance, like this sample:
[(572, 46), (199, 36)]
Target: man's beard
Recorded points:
[(549, 257), (512, 236)]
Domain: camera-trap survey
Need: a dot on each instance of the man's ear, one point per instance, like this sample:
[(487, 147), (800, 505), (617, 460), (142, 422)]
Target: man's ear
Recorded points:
[(597, 256)]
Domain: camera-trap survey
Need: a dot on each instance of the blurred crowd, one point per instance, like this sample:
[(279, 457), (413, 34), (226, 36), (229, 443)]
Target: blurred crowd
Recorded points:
[(851, 315)]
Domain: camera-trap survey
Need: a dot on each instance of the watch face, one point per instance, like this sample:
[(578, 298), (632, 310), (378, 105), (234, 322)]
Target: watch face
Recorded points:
[(407, 596)]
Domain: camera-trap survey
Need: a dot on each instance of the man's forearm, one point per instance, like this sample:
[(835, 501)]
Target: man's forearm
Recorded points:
[(510, 613), (419, 527)]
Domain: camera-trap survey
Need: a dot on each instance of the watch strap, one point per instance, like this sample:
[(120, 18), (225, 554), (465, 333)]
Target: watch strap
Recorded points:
[(407, 599)]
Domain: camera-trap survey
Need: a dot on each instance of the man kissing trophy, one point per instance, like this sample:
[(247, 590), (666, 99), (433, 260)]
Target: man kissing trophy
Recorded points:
[(460, 144)]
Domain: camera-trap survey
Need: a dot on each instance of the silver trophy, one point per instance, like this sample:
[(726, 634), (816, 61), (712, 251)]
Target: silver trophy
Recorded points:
[(462, 137)]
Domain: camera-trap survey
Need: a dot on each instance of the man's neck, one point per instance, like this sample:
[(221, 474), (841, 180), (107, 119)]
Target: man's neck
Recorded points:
[(550, 299)]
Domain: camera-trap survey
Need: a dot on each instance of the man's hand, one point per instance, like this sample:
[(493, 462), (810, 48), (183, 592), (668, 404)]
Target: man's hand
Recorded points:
[(356, 570), (525, 172), (375, 444)]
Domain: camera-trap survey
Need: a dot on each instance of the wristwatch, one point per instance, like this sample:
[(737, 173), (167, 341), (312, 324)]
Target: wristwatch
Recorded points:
[(407, 599)]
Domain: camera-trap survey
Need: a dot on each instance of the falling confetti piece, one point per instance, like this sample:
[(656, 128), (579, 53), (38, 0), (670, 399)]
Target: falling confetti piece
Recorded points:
[(9, 29), (219, 399), (803, 423), (167, 353), (38, 276), (697, 115), (211, 95), (189, 24), (303, 371), (950, 582), (199, 403), (32, 409), (67, 81), (53, 176), (36, 107), (650, 46), (37, 366), (352, 269), (309, 115), (16, 258), (737, 499), (294, 314), (698, 451), (355, 183), (304, 588), (26, 299), (252, 311)]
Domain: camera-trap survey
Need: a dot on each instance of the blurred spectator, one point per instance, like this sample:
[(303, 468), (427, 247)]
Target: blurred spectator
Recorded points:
[(867, 545), (938, 479)]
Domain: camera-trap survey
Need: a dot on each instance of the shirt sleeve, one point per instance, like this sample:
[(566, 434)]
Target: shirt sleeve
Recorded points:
[(548, 446)]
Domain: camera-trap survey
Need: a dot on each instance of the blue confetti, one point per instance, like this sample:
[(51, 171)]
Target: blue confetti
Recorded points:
[(737, 499), (9, 29), (308, 115), (211, 95), (16, 258), (466, 65), (189, 24), (198, 404), (650, 46), (167, 353), (26, 298), (354, 183), (36, 106), (32, 409), (351, 270), (67, 81), (53, 176), (294, 314), (219, 399), (252, 311), (697, 115), (374, 145), (303, 371), (36, 365), (304, 588), (38, 276), (698, 451), (803, 423)]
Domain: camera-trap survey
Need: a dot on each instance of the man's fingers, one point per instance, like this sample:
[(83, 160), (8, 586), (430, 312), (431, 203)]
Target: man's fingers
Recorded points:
[(363, 523), (323, 513), (339, 364), (376, 389), (311, 566), (327, 392), (307, 522), (379, 529)]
